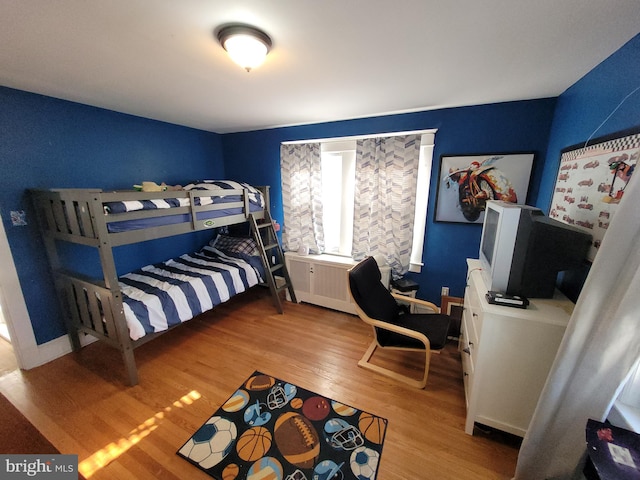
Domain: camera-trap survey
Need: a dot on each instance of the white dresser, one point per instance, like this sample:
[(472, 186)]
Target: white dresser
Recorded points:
[(506, 354)]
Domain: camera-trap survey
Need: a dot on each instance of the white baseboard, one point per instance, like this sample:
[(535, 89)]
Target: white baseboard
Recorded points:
[(47, 352)]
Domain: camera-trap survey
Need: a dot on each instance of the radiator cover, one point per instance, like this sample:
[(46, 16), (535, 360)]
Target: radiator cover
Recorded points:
[(322, 279)]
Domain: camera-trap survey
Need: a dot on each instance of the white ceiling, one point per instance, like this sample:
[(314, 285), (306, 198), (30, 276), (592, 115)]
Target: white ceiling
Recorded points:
[(331, 59)]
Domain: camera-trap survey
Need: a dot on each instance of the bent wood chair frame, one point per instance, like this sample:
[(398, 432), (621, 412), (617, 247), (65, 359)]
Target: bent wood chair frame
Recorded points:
[(365, 361)]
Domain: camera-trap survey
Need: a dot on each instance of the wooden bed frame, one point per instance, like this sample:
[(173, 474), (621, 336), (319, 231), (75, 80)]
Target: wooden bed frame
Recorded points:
[(77, 216)]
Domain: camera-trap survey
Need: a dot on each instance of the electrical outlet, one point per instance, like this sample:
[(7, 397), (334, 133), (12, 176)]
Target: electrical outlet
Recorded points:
[(445, 291)]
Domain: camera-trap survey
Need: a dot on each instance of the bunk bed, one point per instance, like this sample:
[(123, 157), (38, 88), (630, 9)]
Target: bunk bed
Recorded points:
[(129, 310)]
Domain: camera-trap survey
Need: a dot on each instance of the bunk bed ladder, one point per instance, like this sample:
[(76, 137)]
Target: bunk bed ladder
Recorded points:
[(272, 258)]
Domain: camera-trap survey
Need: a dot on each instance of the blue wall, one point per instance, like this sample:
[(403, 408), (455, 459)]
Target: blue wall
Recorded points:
[(605, 101), (504, 127), (543, 126), (51, 143), (584, 107)]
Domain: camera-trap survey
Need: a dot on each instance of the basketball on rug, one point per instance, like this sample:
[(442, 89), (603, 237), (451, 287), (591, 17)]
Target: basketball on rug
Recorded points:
[(269, 428)]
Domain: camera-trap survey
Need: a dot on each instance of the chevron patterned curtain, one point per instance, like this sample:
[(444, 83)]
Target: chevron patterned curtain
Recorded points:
[(302, 197), (385, 199)]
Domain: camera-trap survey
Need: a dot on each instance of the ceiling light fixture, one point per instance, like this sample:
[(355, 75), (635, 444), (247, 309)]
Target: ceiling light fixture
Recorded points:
[(246, 45)]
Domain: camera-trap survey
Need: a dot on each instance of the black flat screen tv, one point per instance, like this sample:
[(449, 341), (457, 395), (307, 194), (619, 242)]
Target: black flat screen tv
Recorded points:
[(522, 250)]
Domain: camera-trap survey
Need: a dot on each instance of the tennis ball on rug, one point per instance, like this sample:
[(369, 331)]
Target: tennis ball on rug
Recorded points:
[(260, 382), (316, 408), (372, 427), (266, 467), (297, 439), (253, 444), (342, 409), (237, 402), (230, 472)]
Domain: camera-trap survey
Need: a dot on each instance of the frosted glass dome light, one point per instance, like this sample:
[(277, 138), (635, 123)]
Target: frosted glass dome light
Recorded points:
[(246, 45)]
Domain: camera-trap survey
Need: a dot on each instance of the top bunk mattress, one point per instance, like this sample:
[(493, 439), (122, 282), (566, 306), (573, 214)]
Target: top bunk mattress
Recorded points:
[(130, 225), (217, 196)]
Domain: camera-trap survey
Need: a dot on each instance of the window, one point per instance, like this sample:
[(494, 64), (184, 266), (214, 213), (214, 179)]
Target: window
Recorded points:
[(338, 184)]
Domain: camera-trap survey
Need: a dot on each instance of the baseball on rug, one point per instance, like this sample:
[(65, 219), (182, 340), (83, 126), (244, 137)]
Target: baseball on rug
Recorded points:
[(272, 429)]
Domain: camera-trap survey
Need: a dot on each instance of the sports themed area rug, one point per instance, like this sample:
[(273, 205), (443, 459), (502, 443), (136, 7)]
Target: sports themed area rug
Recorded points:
[(270, 429)]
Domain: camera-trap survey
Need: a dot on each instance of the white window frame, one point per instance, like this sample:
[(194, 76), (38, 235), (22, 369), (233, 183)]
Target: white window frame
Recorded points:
[(338, 144), (422, 201)]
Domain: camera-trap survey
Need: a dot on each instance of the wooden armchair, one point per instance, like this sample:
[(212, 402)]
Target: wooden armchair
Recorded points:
[(393, 327)]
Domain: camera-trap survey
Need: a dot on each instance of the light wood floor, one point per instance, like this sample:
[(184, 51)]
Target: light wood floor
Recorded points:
[(185, 375), (8, 362)]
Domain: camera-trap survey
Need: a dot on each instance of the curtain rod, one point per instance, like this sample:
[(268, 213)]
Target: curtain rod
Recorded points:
[(360, 137)]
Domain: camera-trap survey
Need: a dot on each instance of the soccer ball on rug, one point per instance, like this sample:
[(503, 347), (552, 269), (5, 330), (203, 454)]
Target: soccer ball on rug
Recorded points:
[(364, 463), (211, 443)]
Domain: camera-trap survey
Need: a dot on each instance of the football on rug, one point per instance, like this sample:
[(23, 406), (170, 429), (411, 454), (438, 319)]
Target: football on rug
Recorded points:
[(272, 429)]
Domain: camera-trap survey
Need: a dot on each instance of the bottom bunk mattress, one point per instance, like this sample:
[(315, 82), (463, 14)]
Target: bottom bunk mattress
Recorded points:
[(158, 297)]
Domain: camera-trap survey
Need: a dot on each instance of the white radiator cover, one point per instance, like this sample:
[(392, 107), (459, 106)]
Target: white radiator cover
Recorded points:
[(322, 279)]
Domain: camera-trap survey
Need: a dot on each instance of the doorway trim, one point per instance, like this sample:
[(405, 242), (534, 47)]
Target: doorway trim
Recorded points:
[(23, 340)]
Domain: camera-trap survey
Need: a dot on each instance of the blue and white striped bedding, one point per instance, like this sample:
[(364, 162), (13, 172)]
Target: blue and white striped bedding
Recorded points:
[(135, 205), (255, 195), (160, 296), (217, 188)]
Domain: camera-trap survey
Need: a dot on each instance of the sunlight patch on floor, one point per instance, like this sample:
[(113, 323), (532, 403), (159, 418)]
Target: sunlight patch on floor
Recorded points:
[(109, 453)]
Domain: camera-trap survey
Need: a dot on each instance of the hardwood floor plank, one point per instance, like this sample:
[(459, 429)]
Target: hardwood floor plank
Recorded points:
[(82, 405)]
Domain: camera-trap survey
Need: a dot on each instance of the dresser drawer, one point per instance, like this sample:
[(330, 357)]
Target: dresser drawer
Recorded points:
[(467, 364), (472, 320), (473, 304), (470, 335)]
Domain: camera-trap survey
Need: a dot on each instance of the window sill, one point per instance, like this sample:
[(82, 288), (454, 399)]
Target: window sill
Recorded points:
[(416, 267)]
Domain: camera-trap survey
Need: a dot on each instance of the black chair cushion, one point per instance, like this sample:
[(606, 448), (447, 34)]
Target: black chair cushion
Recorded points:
[(434, 326), (369, 293), (378, 303)]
